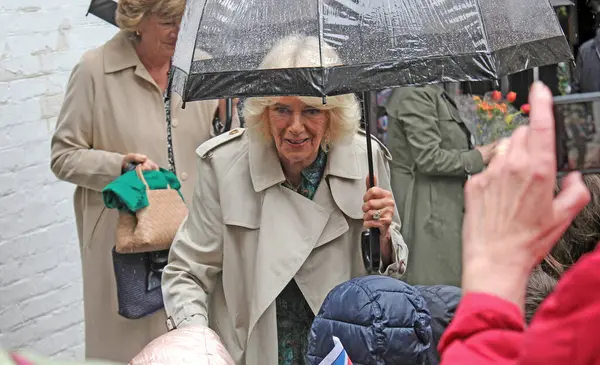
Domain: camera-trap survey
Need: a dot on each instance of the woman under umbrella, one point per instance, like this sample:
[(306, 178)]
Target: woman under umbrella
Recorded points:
[(277, 217)]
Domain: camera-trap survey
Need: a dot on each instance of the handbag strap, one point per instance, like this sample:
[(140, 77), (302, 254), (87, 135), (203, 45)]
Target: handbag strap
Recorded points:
[(140, 175), (167, 105)]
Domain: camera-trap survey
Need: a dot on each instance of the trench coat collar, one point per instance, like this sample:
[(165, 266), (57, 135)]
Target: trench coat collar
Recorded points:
[(266, 170), (119, 54)]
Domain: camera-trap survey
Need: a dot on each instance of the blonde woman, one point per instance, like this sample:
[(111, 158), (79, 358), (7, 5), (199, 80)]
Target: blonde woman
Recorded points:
[(276, 220), (114, 115)]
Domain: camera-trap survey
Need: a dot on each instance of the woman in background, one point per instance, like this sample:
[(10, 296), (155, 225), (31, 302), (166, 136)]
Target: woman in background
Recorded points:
[(432, 157), (114, 115)]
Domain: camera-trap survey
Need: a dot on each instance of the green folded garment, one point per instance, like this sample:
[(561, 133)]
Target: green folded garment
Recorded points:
[(128, 192)]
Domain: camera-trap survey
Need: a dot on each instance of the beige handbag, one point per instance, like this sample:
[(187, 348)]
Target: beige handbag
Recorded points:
[(151, 228)]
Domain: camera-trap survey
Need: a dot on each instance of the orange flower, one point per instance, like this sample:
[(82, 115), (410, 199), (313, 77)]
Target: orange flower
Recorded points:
[(476, 98), (525, 108), (496, 95), (511, 97), (501, 107)]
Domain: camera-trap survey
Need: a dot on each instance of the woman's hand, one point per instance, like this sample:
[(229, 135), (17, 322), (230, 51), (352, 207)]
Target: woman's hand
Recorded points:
[(378, 208), (512, 217), (136, 158), (487, 152)]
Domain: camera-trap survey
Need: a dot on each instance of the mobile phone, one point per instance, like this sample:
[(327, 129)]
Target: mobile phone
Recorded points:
[(577, 123)]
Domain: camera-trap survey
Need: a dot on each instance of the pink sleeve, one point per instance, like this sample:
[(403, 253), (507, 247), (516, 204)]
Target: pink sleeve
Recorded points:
[(485, 330)]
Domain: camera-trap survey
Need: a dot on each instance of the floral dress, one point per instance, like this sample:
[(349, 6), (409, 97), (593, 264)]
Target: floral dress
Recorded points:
[(294, 316)]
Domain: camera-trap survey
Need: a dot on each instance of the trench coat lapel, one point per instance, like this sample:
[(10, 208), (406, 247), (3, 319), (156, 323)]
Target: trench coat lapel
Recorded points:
[(292, 225)]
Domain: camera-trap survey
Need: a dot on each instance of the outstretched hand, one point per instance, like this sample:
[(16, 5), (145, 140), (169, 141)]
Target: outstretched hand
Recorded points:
[(512, 217)]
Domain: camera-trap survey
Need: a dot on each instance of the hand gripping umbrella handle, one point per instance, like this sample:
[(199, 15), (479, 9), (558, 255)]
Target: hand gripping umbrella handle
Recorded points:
[(370, 239)]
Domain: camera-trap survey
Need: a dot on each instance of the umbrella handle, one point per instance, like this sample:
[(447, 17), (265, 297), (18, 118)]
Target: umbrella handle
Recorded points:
[(370, 239), (228, 114)]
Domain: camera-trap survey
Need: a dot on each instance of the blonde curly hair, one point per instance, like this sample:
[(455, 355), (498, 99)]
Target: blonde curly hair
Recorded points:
[(301, 51), (131, 12)]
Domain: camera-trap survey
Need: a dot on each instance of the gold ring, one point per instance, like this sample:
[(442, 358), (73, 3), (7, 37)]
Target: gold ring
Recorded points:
[(377, 215)]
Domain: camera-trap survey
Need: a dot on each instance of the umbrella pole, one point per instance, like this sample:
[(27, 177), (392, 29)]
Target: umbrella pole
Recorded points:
[(228, 114), (370, 239), (367, 118)]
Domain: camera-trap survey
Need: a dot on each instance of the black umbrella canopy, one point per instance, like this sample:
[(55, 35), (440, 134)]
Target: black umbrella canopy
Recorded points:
[(104, 9), (558, 3), (383, 43)]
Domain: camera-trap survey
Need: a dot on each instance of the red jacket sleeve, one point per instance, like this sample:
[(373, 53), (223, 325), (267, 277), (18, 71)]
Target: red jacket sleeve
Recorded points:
[(485, 330), (566, 327)]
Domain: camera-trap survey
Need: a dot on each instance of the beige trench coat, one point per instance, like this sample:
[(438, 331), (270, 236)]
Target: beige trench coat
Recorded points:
[(247, 236), (113, 107)]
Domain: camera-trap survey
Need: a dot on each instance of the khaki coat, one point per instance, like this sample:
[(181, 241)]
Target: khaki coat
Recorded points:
[(432, 158), (113, 107), (247, 236)]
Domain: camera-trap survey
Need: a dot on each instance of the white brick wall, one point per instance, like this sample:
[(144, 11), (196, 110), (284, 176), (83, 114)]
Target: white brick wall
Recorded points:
[(40, 275)]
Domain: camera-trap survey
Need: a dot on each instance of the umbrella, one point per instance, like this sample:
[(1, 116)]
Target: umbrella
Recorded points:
[(104, 9), (559, 3), (384, 43)]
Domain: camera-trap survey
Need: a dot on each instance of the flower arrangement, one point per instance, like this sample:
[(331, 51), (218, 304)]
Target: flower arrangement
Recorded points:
[(492, 116)]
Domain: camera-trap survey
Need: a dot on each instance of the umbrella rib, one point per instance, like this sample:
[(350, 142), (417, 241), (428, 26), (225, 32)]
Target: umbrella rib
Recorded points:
[(485, 33), (196, 33), (320, 29)]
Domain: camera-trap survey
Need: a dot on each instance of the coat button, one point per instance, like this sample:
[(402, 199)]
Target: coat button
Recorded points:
[(468, 167), (184, 176), (175, 123)]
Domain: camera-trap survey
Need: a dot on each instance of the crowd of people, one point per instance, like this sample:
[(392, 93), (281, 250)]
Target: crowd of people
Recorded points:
[(486, 257)]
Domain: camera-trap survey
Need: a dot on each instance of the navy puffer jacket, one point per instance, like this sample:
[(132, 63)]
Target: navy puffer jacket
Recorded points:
[(379, 320), (442, 301)]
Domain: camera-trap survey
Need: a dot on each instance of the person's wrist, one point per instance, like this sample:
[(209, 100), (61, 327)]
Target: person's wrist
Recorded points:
[(506, 281)]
